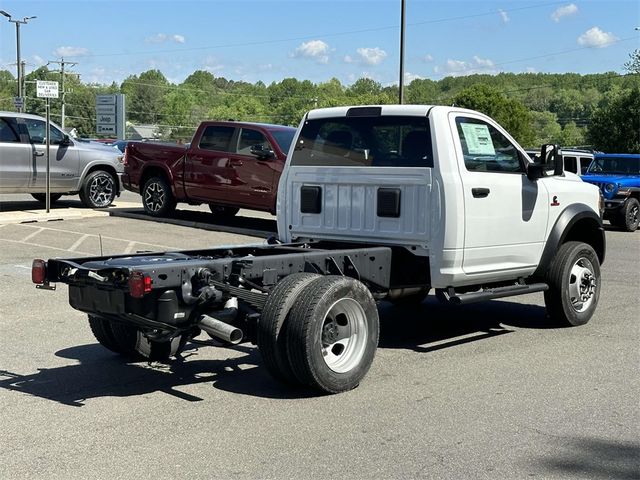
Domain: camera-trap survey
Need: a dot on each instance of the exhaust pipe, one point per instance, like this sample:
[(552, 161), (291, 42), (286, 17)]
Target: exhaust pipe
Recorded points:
[(220, 329)]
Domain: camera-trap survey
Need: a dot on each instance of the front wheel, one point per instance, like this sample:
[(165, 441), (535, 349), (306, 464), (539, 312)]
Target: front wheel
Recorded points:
[(157, 198), (99, 189), (332, 334), (630, 215), (574, 284)]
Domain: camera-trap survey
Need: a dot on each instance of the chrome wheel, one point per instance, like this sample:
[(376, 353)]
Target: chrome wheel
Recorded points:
[(154, 196), (582, 285), (632, 215), (101, 190), (344, 335)]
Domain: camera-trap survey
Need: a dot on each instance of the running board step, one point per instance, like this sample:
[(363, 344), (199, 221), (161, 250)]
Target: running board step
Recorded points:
[(491, 293)]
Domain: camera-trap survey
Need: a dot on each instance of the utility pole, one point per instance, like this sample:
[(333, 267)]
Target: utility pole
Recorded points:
[(401, 81), (18, 62), (62, 64)]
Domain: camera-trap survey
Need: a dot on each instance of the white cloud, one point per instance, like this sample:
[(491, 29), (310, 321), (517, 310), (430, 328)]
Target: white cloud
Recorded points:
[(372, 56), (348, 59), (596, 38), (38, 60), (564, 11), (503, 15), (461, 67), (71, 51), (314, 49), (410, 77), (163, 37), (427, 58)]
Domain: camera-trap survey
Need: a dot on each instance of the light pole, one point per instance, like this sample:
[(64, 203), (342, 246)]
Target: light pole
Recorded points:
[(18, 23), (401, 80)]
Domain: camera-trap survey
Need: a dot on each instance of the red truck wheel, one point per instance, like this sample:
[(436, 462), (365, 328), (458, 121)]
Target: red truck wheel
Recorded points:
[(157, 198)]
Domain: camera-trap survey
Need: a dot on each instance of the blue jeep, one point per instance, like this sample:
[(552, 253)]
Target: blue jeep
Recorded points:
[(618, 177)]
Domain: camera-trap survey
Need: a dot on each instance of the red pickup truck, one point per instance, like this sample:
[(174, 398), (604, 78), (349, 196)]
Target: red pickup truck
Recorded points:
[(228, 165)]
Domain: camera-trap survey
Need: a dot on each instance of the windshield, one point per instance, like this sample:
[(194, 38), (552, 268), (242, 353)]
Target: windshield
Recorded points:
[(615, 165), (382, 141), (284, 139)]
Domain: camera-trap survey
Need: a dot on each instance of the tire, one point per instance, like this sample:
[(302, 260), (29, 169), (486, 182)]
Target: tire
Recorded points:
[(630, 215), (157, 198), (42, 197), (130, 341), (272, 327), (332, 334), (99, 189), (223, 213), (574, 284)]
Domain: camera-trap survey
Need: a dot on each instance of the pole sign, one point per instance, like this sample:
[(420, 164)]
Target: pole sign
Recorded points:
[(46, 89), (110, 115), (18, 102)]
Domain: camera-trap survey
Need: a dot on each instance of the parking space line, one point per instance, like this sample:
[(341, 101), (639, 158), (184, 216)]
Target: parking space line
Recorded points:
[(130, 247), (22, 242), (31, 235), (73, 247)]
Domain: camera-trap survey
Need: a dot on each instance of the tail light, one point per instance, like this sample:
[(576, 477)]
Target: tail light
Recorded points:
[(125, 157), (38, 271), (139, 284)]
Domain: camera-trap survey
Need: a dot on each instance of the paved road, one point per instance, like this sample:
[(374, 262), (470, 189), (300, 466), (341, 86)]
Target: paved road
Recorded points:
[(487, 391)]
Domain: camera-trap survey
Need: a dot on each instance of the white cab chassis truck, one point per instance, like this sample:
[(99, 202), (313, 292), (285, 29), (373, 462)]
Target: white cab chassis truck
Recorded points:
[(375, 202)]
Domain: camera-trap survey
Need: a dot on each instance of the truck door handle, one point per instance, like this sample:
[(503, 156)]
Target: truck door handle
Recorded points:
[(39, 154), (480, 192)]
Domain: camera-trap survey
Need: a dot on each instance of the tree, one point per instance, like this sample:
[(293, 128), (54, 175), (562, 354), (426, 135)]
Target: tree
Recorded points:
[(145, 95), (510, 113), (546, 127), (615, 125), (633, 65), (572, 135)]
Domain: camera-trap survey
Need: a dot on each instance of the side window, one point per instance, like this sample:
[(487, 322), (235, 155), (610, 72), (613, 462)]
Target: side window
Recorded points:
[(37, 131), (252, 138), (217, 138), (485, 149), (584, 164), (570, 164), (8, 131)]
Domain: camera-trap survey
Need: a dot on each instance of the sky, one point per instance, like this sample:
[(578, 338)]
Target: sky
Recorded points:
[(270, 40)]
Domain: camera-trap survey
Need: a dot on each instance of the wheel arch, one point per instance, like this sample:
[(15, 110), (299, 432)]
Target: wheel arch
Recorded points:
[(156, 171), (577, 222), (105, 167)]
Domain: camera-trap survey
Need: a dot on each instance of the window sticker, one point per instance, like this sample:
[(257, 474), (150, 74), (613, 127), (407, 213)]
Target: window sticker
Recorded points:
[(478, 139)]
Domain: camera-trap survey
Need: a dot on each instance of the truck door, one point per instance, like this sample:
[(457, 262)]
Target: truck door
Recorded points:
[(64, 166), (15, 161), (505, 214), (254, 170), (209, 176)]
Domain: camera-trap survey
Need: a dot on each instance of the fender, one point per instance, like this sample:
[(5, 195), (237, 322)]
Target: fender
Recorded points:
[(563, 231)]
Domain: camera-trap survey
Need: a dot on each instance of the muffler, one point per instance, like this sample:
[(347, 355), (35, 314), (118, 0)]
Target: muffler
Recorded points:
[(222, 330)]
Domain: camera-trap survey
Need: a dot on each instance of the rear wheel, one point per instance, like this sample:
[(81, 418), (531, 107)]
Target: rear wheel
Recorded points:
[(223, 213), (574, 284), (99, 189), (42, 197), (157, 198), (272, 327), (332, 334)]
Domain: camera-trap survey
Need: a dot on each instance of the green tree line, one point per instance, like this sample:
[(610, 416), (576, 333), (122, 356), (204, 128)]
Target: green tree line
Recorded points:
[(596, 110)]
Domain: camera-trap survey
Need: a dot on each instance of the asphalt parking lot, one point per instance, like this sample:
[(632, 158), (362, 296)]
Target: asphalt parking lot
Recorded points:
[(488, 391)]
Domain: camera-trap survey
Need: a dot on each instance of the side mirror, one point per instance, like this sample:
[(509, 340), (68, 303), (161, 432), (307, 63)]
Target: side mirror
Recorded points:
[(535, 171), (261, 152), (551, 157), (66, 141)]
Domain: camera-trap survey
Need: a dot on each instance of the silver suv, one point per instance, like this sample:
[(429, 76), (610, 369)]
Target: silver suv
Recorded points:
[(91, 170)]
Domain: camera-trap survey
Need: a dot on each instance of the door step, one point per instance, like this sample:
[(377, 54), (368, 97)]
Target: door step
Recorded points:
[(449, 295)]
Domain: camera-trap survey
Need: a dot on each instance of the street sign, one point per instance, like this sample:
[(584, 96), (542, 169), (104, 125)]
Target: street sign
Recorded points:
[(105, 99), (46, 89), (18, 102), (106, 119)]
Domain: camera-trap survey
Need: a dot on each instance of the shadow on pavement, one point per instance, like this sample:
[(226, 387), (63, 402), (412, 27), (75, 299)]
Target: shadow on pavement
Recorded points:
[(256, 227), (424, 328), (594, 458), (33, 205)]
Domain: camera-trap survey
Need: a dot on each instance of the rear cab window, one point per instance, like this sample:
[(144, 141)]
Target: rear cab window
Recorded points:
[(377, 141), (218, 138), (9, 131)]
